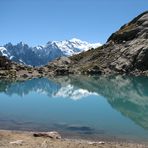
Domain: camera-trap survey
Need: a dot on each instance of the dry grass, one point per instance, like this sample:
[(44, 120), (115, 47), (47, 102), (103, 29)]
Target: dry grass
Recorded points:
[(127, 28)]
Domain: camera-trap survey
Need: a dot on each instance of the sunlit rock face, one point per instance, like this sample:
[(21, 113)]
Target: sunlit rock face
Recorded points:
[(125, 52)]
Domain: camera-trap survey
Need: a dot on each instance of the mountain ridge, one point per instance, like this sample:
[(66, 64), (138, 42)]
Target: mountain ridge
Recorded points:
[(41, 55)]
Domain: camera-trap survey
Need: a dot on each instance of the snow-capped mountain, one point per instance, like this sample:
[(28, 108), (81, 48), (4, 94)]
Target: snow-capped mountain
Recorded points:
[(74, 46), (41, 55)]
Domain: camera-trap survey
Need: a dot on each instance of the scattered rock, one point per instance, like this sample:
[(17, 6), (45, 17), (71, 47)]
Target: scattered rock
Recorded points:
[(18, 142), (96, 143), (62, 71), (44, 144), (25, 76), (92, 143), (101, 142), (94, 71)]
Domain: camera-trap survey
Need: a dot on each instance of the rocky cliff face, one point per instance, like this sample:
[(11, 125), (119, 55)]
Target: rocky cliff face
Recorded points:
[(126, 51)]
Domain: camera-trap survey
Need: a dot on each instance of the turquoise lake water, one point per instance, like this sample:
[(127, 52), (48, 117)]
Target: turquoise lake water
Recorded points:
[(78, 106)]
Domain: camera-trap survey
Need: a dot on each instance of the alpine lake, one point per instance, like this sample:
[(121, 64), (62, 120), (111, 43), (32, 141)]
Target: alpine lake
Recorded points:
[(87, 107)]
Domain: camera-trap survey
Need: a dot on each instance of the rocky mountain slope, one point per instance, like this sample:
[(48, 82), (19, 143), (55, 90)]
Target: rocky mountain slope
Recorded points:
[(41, 55), (12, 70), (126, 51)]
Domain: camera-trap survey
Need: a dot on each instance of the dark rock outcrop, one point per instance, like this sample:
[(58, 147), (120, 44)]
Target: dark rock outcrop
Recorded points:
[(5, 63), (12, 70)]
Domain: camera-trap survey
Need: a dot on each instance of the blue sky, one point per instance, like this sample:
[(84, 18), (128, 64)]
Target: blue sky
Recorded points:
[(38, 21)]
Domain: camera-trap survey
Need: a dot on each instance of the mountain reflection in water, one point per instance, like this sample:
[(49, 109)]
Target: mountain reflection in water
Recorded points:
[(127, 95)]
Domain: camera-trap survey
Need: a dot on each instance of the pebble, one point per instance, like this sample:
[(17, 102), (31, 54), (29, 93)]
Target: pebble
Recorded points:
[(18, 142), (101, 142), (95, 143)]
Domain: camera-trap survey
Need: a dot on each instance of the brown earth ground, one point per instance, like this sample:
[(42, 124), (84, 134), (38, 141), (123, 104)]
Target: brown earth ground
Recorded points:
[(16, 139)]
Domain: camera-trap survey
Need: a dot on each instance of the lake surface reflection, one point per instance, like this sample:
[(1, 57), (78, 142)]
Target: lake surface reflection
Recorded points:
[(77, 106)]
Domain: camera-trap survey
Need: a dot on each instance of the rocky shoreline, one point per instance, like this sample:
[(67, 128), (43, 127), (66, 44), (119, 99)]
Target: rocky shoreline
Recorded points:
[(14, 139)]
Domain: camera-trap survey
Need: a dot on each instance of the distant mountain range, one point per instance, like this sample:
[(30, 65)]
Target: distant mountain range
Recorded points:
[(41, 55)]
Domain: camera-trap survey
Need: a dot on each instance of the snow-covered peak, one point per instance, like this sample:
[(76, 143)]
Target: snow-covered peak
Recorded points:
[(4, 52), (76, 40), (39, 47), (74, 46), (2, 49)]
